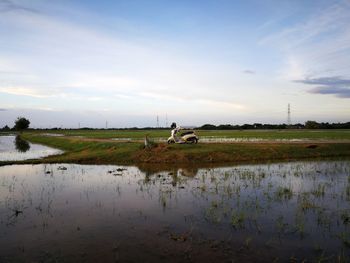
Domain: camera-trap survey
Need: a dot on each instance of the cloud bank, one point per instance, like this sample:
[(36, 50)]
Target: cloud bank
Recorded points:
[(336, 85)]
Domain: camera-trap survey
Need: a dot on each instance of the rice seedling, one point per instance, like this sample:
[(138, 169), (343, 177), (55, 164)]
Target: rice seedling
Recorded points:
[(238, 219), (285, 193), (319, 191)]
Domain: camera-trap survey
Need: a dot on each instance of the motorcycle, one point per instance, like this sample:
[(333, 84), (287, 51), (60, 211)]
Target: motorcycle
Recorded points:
[(186, 137)]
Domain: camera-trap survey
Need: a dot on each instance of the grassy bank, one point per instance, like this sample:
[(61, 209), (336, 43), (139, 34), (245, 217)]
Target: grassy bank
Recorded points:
[(82, 150)]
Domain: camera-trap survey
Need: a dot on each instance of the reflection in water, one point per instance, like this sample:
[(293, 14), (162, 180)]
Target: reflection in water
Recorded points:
[(13, 148), (21, 145), (87, 213)]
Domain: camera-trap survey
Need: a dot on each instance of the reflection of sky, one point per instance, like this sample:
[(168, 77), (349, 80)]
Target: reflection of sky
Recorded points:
[(8, 151), (75, 205), (127, 61)]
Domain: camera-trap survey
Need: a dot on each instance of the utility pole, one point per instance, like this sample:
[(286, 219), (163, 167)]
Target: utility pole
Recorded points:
[(106, 125), (289, 122), (157, 121)]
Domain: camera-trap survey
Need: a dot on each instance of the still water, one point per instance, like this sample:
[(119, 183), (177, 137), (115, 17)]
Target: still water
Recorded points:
[(13, 148), (286, 212)]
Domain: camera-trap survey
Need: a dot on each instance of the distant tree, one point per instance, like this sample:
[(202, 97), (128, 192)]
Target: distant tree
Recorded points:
[(208, 127), (266, 126), (21, 124), (258, 126), (225, 127), (312, 125), (345, 125), (6, 128), (297, 126), (247, 126), (281, 126)]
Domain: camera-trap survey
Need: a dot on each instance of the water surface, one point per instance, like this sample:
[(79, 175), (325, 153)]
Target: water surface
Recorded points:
[(256, 213), (13, 148)]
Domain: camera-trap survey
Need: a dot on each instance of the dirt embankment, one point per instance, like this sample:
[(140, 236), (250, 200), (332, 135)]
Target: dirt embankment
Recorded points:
[(163, 153), (239, 153)]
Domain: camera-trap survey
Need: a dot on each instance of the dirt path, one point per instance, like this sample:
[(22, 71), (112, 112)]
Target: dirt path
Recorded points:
[(262, 141)]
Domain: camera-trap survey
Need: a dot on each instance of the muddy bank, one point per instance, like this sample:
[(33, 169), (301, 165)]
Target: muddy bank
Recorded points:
[(239, 152)]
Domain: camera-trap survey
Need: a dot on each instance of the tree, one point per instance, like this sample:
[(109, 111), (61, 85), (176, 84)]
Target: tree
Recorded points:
[(225, 127), (208, 127), (6, 128), (312, 125), (21, 124)]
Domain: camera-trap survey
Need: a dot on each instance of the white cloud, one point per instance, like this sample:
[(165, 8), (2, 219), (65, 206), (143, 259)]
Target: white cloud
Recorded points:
[(49, 60), (294, 68), (316, 46), (213, 104), (27, 91), (332, 19), (64, 59)]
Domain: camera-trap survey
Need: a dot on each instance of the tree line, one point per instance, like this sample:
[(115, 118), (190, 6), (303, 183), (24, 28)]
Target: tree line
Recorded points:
[(260, 126), (23, 123)]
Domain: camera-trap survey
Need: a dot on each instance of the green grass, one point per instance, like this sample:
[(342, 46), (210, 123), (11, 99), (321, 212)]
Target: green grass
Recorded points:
[(82, 150), (280, 134), (247, 134)]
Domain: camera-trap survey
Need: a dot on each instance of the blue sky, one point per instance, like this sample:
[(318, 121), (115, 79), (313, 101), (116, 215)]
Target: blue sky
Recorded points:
[(125, 62)]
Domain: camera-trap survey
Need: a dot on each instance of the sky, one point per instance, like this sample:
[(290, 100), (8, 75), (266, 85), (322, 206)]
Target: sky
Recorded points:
[(72, 63)]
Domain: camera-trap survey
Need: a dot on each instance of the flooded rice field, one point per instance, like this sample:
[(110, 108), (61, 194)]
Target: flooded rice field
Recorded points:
[(286, 212), (13, 148)]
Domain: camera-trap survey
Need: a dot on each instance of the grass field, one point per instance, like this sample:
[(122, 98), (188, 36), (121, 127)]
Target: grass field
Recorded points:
[(105, 151), (248, 134)]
